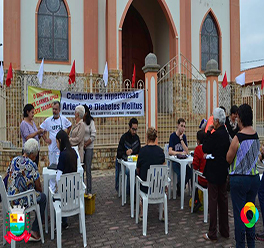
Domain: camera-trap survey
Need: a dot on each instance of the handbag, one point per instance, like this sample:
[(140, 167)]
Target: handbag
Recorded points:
[(180, 156)]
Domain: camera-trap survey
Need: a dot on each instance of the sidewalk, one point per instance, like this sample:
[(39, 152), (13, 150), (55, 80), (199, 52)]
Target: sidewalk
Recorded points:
[(112, 226)]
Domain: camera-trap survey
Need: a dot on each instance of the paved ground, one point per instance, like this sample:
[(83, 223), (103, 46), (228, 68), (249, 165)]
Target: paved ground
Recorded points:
[(111, 225)]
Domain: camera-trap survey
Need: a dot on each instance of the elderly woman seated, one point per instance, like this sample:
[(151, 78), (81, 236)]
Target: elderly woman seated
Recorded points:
[(78, 131), (23, 175)]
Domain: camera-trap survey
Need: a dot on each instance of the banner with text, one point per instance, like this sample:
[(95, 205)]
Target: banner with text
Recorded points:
[(42, 100), (104, 104)]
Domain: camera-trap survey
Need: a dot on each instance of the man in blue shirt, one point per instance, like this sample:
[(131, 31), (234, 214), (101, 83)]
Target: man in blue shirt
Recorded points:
[(178, 146)]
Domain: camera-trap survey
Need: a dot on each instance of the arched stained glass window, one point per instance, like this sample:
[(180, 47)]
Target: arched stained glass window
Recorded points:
[(53, 41), (209, 41)]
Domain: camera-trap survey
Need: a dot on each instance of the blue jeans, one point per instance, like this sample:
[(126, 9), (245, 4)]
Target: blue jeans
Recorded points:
[(261, 199), (177, 169), (41, 200), (243, 189), (117, 171)]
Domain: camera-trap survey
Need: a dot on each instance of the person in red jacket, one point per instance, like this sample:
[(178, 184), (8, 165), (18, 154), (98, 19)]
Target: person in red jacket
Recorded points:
[(199, 162)]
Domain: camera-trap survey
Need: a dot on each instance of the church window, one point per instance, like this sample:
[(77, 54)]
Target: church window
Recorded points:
[(209, 41), (53, 42)]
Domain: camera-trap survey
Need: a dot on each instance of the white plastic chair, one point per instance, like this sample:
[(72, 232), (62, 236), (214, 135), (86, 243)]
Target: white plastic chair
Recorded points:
[(68, 202), (32, 206), (78, 155), (197, 173), (157, 179), (120, 181), (168, 162)]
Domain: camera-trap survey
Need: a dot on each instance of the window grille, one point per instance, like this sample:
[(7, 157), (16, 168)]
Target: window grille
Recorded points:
[(209, 41), (53, 31)]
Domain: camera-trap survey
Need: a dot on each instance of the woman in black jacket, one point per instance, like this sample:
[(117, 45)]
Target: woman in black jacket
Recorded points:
[(67, 161), (231, 122), (216, 170)]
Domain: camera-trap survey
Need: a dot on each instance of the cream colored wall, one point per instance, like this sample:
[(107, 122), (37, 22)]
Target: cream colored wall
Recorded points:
[(1, 28), (120, 7), (221, 10), (162, 44), (28, 8), (174, 7), (101, 36)]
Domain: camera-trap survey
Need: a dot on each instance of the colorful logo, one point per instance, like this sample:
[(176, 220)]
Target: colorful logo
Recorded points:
[(17, 230), (249, 206)]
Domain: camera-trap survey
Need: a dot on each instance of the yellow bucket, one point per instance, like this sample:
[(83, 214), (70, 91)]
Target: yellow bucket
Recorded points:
[(89, 203)]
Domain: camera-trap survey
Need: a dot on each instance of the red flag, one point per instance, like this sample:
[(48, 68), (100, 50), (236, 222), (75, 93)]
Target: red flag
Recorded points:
[(9, 76), (262, 82), (134, 77), (224, 83), (72, 74)]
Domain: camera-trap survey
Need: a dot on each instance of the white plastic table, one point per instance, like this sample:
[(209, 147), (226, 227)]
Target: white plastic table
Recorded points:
[(183, 163), (47, 175), (132, 168)]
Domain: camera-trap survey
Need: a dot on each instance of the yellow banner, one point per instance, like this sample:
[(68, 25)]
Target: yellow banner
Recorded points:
[(42, 100)]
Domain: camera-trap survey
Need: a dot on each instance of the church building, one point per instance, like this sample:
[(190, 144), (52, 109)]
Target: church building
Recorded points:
[(121, 32)]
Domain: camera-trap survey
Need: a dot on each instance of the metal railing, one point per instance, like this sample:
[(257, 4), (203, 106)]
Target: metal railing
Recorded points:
[(181, 94), (109, 130)]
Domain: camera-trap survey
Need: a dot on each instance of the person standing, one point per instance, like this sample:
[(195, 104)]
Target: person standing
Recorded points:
[(178, 146), (244, 176), (53, 125), (260, 235), (232, 128), (215, 171), (78, 131), (198, 163), (231, 122), (28, 128), (89, 137)]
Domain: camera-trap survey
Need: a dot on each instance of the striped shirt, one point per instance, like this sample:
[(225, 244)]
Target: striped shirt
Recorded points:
[(245, 161)]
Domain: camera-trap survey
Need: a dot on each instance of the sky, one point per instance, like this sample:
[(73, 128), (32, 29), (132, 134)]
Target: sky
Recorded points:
[(251, 33)]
